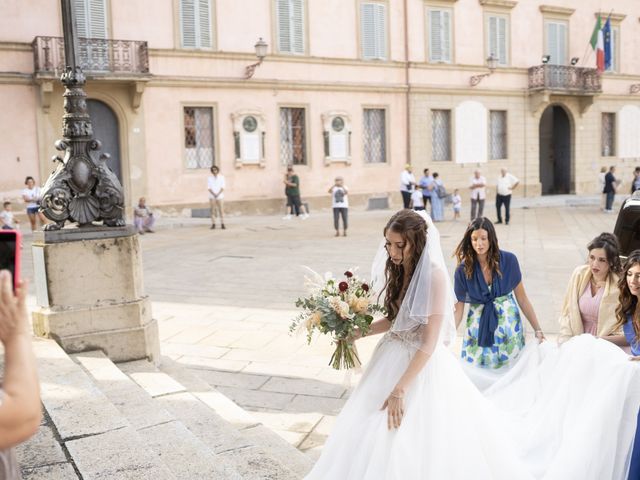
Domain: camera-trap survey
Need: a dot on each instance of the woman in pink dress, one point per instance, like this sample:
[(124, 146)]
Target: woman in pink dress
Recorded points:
[(592, 295)]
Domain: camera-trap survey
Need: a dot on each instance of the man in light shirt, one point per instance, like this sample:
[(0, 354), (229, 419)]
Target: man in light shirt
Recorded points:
[(407, 184), (215, 185), (478, 189), (506, 184)]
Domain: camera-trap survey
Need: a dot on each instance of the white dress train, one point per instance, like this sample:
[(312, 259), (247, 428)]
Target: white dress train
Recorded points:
[(560, 414)]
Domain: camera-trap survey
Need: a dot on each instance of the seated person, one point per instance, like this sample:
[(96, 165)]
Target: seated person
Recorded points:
[(592, 295), (143, 217)]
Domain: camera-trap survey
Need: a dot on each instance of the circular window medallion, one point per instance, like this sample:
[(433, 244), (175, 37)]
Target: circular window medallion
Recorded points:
[(249, 124), (337, 124)]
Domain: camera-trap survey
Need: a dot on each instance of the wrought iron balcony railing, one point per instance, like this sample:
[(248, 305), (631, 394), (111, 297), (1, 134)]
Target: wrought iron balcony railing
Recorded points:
[(565, 79), (96, 55)]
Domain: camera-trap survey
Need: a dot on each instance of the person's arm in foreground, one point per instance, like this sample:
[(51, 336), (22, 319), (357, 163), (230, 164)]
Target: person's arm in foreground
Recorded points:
[(20, 411)]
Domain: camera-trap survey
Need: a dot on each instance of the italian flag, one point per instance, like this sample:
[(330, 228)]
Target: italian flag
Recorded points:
[(597, 43)]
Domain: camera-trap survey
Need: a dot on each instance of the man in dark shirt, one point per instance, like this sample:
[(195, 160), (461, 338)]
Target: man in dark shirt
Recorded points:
[(610, 184), (292, 191)]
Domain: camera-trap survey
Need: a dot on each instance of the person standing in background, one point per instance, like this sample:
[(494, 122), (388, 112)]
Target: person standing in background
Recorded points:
[(506, 184), (407, 184), (456, 199), (425, 184), (216, 185), (478, 189), (610, 186), (635, 184), (340, 203), (31, 196), (292, 191)]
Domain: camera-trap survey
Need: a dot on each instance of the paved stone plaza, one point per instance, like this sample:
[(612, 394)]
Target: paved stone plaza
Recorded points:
[(224, 299)]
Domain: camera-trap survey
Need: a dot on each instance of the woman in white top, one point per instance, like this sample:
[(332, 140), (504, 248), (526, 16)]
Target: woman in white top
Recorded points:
[(31, 196)]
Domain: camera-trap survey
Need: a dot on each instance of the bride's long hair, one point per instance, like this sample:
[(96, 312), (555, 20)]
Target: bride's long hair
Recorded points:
[(413, 229), (627, 303)]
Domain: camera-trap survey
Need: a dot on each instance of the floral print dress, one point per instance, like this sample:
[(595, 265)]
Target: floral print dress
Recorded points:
[(509, 335)]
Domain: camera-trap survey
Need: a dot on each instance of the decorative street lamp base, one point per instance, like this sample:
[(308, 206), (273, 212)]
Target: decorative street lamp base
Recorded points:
[(90, 292)]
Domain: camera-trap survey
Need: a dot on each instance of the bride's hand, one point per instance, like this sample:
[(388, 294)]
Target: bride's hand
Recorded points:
[(540, 336), (635, 358), (395, 409)]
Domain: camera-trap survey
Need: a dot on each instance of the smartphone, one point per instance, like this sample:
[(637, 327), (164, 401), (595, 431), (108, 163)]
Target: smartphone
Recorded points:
[(10, 253)]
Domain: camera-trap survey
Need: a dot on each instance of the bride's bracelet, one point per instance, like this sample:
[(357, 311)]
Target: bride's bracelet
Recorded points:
[(536, 332), (396, 396)]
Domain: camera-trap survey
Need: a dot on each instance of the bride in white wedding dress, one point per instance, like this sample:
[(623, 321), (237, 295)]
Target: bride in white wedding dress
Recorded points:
[(561, 413)]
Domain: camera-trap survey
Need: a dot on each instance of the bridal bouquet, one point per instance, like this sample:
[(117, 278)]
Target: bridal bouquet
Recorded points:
[(337, 307)]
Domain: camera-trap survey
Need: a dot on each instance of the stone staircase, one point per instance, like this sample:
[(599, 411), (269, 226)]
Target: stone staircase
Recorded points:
[(136, 421)]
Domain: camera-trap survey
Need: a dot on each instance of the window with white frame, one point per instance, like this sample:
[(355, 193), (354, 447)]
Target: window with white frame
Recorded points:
[(440, 135), (608, 134), (91, 18), (290, 25), (497, 134), (556, 41), (198, 137), (293, 143), (497, 28), (439, 21), (195, 23), (375, 135), (373, 30)]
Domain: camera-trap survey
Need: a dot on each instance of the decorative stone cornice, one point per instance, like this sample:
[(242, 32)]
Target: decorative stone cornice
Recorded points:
[(552, 9), (615, 17), (507, 4)]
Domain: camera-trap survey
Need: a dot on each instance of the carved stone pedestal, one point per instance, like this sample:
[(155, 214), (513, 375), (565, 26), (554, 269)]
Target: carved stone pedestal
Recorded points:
[(90, 293)]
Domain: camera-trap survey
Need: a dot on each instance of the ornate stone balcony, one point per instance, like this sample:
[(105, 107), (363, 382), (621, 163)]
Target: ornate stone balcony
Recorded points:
[(565, 79), (98, 57), (546, 80)]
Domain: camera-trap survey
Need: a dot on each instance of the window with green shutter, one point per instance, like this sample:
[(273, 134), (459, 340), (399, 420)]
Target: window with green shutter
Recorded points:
[(497, 35), (195, 23), (290, 22), (373, 30), (439, 28)]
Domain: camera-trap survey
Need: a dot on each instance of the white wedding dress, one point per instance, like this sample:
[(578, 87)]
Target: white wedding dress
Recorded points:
[(561, 413)]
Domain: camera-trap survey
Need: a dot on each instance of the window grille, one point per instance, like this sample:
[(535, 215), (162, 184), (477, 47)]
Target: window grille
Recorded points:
[(198, 137), (441, 135), (497, 134), (375, 133), (293, 149), (608, 134)]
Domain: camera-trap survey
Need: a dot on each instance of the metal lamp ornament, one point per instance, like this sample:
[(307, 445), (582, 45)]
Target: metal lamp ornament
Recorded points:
[(82, 188)]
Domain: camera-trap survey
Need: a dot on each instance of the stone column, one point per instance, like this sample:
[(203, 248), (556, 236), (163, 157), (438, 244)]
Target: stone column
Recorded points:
[(90, 292)]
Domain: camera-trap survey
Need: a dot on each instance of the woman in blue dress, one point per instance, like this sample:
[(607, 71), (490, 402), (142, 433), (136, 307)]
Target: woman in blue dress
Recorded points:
[(628, 315), (437, 202), (489, 280)]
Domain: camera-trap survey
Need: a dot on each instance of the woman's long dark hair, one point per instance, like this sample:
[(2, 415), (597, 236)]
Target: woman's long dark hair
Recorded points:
[(609, 243), (413, 229), (627, 302), (466, 254)]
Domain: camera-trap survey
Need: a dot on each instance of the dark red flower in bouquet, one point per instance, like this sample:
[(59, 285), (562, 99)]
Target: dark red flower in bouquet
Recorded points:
[(365, 287), (343, 286), (348, 274)]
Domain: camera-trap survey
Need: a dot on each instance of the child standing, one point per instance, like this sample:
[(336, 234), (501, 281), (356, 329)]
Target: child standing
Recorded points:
[(7, 222), (457, 204), (417, 201), (340, 202)]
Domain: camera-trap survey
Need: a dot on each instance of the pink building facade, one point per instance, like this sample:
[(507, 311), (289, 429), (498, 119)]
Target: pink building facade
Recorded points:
[(356, 88)]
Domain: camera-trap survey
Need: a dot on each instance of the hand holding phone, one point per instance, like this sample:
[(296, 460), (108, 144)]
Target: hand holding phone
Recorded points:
[(10, 241)]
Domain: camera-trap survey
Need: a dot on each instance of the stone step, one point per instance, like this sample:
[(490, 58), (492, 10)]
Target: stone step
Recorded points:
[(245, 421), (228, 430), (181, 451), (90, 431)]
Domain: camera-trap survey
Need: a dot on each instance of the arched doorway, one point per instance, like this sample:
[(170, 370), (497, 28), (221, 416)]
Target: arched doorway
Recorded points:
[(107, 130), (555, 151)]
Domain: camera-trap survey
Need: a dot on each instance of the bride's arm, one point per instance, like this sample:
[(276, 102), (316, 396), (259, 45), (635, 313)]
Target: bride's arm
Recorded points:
[(379, 326)]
